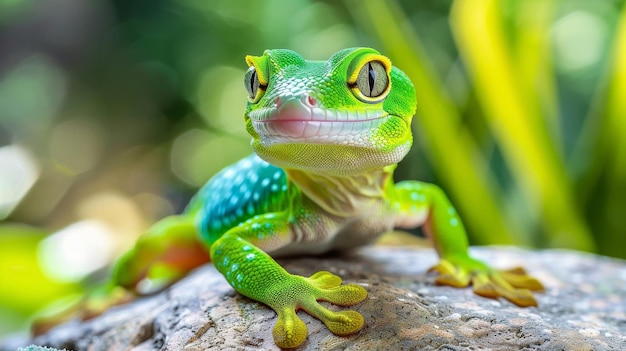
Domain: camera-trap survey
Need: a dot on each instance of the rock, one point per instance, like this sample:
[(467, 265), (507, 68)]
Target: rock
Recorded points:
[(583, 308)]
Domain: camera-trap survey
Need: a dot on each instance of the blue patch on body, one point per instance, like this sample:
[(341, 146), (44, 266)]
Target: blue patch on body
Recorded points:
[(239, 192)]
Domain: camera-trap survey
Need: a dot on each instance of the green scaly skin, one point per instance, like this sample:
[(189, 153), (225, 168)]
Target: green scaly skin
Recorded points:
[(327, 137)]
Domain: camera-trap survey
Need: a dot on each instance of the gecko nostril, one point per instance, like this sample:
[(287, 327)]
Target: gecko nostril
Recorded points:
[(277, 101), (311, 101)]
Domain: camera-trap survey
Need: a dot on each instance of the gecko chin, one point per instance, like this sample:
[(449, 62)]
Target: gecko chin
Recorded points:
[(330, 159)]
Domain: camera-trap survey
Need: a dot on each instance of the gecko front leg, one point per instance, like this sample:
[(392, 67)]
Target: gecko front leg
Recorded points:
[(239, 255), (418, 203)]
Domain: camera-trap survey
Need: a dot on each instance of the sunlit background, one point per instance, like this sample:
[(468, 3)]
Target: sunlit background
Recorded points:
[(113, 112)]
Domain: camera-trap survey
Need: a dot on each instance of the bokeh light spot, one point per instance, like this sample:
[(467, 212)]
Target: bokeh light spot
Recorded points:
[(32, 91), (222, 98), (75, 251), (579, 38), (18, 173)]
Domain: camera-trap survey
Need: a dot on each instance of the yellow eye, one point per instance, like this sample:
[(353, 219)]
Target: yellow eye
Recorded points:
[(253, 85), (369, 80)]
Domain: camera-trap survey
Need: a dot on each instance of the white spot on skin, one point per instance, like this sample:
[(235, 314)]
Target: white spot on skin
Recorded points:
[(229, 173), (217, 183), (277, 175), (255, 196), (414, 196), (274, 187), (234, 267), (246, 248), (250, 257), (454, 222), (451, 211), (265, 182), (246, 164)]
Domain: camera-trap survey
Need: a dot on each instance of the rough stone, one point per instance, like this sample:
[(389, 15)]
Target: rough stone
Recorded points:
[(583, 308)]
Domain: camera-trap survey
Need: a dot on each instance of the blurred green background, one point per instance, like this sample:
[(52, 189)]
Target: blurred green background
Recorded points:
[(113, 112)]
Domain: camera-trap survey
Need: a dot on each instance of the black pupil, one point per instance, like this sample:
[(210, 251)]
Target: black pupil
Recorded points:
[(253, 83), (372, 75)]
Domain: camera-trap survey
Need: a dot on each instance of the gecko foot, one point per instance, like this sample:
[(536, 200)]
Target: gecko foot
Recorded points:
[(304, 293), (514, 285)]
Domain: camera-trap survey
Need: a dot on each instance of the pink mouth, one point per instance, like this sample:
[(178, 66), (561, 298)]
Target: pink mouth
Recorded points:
[(292, 128), (303, 119), (314, 129)]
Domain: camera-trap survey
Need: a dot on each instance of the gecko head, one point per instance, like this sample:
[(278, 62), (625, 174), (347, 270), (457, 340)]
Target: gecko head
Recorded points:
[(348, 115)]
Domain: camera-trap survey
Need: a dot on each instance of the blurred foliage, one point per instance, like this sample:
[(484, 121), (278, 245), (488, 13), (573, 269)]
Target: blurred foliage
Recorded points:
[(113, 112), (26, 287)]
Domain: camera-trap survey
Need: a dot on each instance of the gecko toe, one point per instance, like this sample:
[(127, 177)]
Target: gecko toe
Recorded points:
[(344, 322), (520, 279), (324, 280), (493, 285), (451, 275), (289, 331), (344, 295), (339, 323)]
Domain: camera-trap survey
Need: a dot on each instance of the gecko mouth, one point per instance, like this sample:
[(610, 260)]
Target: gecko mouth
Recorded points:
[(302, 120)]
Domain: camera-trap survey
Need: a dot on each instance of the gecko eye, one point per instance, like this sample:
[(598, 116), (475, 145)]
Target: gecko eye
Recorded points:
[(370, 81), (253, 85)]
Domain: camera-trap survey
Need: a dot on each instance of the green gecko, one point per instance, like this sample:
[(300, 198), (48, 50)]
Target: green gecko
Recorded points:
[(327, 137)]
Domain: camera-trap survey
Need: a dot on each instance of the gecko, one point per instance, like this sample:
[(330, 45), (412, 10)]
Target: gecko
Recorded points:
[(327, 136)]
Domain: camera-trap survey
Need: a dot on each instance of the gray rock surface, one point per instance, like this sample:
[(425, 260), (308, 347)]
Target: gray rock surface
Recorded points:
[(583, 308)]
